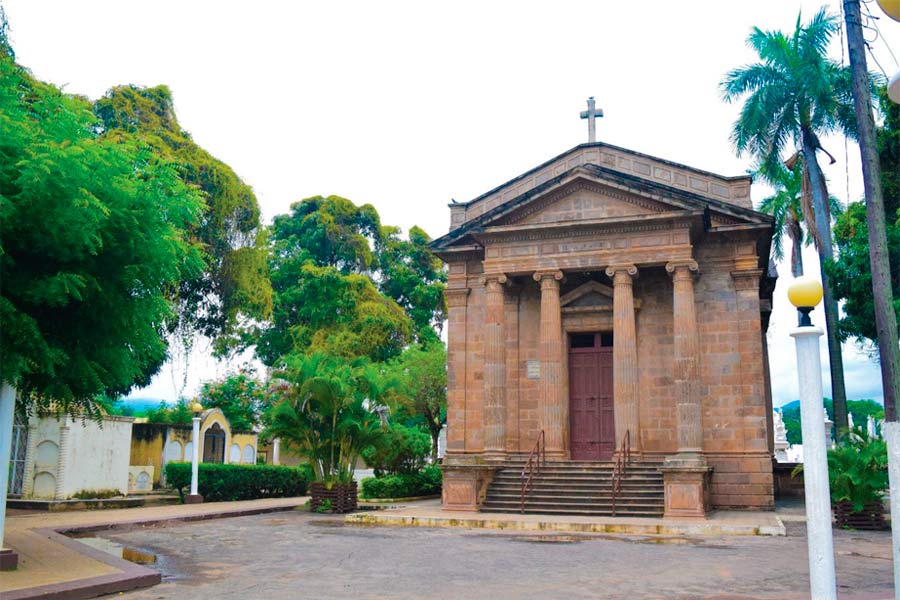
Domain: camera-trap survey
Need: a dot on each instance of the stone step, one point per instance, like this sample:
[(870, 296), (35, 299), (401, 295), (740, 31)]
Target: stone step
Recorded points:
[(620, 512), (570, 508), (497, 499), (576, 479), (592, 492)]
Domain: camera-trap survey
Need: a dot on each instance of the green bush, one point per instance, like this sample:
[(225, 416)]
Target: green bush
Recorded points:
[(858, 469), (403, 485), (219, 482), (400, 450)]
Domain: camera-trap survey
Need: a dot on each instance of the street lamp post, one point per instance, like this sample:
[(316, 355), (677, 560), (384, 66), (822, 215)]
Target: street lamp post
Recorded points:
[(805, 293), (194, 497)]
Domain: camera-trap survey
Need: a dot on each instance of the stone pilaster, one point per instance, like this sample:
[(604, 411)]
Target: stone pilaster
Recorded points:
[(28, 474), (625, 369), (551, 346), (494, 368), (62, 460), (457, 301)]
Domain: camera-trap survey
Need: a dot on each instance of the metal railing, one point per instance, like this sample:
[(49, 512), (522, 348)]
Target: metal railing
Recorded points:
[(622, 460), (536, 459)]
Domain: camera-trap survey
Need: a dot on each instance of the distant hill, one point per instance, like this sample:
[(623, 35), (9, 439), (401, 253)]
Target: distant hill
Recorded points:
[(134, 406)]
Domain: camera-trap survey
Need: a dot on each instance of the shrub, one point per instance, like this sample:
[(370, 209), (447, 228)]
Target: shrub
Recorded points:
[(403, 485), (219, 482), (96, 494), (401, 450), (858, 470)]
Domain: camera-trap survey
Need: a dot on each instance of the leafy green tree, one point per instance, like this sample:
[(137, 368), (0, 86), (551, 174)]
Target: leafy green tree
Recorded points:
[(401, 449), (851, 272), (794, 95), (241, 397), (322, 264), (422, 372), (415, 279), (178, 414), (92, 237), (234, 282), (329, 411)]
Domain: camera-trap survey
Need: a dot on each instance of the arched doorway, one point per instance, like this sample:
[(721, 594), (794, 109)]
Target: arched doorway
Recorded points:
[(214, 444)]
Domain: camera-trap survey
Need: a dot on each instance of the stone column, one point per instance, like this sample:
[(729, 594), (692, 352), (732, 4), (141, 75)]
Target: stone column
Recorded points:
[(457, 300), (625, 370), (494, 368), (551, 399), (687, 367), (686, 475), (276, 451), (62, 460)]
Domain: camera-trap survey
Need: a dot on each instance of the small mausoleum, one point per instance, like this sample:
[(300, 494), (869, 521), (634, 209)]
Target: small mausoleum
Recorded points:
[(609, 305), (155, 444)]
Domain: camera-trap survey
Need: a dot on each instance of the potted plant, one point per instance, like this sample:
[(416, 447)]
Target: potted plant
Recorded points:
[(858, 477), (328, 411)]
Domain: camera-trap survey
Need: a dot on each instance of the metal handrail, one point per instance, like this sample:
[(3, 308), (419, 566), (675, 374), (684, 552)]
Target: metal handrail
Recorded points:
[(622, 460), (536, 458)]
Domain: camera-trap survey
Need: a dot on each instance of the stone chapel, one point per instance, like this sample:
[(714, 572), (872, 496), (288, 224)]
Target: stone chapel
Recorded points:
[(609, 304)]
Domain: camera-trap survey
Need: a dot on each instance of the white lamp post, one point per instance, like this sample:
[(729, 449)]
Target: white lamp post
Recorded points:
[(195, 497), (805, 293)]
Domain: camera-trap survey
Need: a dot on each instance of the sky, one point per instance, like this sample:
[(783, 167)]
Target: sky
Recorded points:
[(405, 105)]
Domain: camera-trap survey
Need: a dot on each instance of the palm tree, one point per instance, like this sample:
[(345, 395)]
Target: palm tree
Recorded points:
[(785, 206), (328, 413), (794, 95)]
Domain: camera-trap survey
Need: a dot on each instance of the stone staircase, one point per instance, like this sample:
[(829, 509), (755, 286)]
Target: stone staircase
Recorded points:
[(578, 488)]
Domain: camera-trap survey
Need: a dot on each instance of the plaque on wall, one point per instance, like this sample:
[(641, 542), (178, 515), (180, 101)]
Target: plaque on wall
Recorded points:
[(533, 369)]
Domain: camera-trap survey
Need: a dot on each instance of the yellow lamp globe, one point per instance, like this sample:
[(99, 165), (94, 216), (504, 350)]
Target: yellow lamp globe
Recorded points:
[(805, 292), (891, 8), (196, 407)]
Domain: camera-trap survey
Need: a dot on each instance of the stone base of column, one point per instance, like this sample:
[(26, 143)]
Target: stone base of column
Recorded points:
[(686, 487), (193, 499), (465, 485), (494, 456), (9, 559)]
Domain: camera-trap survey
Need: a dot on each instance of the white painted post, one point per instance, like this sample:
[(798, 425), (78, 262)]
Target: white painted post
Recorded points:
[(891, 433), (276, 451), (815, 465), (7, 415), (195, 455)]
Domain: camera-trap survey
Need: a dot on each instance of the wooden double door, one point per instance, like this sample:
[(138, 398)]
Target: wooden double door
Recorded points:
[(592, 425)]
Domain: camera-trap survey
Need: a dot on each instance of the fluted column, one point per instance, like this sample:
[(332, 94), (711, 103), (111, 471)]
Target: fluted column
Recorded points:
[(687, 367), (494, 368), (625, 369), (62, 462), (551, 399), (28, 475)]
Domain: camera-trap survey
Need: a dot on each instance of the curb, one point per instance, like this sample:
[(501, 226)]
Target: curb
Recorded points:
[(569, 526)]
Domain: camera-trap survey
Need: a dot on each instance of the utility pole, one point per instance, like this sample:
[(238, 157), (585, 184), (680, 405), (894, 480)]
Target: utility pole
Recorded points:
[(882, 294)]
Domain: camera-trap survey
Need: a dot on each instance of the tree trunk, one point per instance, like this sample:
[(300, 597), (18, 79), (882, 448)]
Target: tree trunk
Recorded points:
[(882, 294), (795, 233), (826, 253)]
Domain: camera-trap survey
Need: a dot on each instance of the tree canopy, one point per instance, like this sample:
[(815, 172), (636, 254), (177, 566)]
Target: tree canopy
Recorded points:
[(234, 281), (347, 286), (851, 271), (241, 396), (92, 240)]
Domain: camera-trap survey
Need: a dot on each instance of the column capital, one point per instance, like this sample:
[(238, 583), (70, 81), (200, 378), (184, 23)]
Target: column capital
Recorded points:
[(456, 297), (541, 276), (680, 268), (628, 270), (493, 278)]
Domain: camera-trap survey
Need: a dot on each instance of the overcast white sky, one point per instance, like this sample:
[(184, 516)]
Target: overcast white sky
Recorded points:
[(405, 105)]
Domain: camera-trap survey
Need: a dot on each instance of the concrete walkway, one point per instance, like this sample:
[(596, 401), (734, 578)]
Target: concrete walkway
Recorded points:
[(428, 513), (52, 565)]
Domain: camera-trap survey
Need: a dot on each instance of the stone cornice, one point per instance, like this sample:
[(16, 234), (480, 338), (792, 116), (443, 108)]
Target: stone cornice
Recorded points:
[(637, 224), (747, 279)]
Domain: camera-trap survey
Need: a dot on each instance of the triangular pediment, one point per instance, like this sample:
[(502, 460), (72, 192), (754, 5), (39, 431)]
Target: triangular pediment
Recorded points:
[(590, 294), (583, 200)]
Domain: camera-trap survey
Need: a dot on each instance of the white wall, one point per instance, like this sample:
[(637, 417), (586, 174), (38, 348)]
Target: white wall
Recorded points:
[(98, 455)]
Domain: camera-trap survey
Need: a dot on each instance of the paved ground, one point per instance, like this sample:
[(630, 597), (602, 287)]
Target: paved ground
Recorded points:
[(44, 561), (300, 555)]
